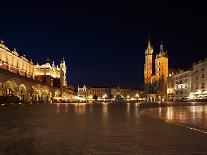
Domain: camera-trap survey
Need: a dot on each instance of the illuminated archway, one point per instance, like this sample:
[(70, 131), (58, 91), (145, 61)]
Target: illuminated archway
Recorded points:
[(22, 92), (10, 88)]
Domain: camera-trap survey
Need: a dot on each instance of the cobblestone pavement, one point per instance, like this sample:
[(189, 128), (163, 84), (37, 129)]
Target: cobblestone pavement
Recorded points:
[(92, 129), (189, 116)]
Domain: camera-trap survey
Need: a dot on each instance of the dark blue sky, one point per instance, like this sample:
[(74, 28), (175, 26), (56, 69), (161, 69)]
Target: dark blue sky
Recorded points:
[(103, 42)]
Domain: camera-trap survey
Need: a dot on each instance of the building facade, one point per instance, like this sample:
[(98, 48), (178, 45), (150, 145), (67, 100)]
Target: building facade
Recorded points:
[(13, 62), (155, 73), (199, 80), (182, 84), (90, 92), (110, 93), (171, 83), (20, 77), (52, 75), (188, 84)]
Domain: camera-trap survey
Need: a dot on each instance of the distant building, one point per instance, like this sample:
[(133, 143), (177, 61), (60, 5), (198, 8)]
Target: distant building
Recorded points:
[(199, 80), (127, 93), (124, 92), (90, 92), (155, 73), (182, 84), (110, 93), (170, 84)]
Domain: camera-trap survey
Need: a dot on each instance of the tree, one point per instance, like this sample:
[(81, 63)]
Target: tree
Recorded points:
[(110, 97), (119, 98), (95, 97)]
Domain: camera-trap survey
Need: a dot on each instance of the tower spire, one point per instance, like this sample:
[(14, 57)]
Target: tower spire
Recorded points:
[(149, 42), (149, 49), (161, 47)]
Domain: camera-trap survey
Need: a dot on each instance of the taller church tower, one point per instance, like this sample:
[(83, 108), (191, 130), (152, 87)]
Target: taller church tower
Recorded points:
[(148, 66)]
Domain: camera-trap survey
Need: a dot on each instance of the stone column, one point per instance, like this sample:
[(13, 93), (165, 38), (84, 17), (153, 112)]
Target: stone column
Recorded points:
[(1, 89)]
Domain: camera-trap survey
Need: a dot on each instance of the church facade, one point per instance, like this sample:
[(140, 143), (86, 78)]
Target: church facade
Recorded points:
[(155, 73)]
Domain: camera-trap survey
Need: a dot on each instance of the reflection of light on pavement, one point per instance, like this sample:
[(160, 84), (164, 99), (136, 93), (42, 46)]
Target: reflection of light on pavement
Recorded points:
[(66, 108), (181, 116), (80, 108), (105, 111), (58, 108), (197, 109), (128, 108), (160, 111), (169, 113), (193, 110), (105, 108), (205, 112)]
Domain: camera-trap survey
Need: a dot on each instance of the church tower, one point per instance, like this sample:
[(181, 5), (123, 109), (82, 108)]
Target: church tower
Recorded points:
[(161, 73), (63, 82), (148, 66)]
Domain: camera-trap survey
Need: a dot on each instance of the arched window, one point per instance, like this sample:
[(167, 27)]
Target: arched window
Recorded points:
[(21, 95), (9, 92)]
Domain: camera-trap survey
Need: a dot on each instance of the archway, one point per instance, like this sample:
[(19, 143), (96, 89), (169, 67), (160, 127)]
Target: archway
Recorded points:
[(22, 92), (10, 88)]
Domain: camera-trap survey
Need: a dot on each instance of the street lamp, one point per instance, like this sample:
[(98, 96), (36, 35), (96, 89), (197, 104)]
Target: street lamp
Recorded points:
[(104, 96), (137, 96)]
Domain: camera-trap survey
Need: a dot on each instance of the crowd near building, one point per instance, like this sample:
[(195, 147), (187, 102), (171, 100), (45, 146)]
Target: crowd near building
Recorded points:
[(19, 77)]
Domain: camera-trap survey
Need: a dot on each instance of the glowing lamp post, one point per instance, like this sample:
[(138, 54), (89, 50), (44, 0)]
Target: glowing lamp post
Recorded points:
[(137, 96), (104, 96)]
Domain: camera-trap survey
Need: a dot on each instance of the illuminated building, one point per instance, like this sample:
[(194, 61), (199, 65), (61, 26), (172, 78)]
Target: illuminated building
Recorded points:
[(182, 84), (51, 75), (170, 84), (189, 84), (90, 92), (155, 73), (21, 78), (126, 92), (13, 62), (199, 80), (110, 93)]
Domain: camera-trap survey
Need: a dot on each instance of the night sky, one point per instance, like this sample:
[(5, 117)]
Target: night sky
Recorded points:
[(103, 42)]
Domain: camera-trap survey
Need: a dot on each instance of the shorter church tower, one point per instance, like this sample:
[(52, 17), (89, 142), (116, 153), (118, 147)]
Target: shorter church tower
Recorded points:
[(161, 73)]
